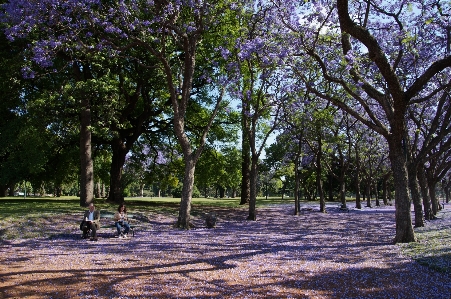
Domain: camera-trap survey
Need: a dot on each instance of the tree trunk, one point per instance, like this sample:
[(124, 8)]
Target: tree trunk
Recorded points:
[(427, 206), (253, 188), (141, 189), (102, 190), (343, 193), (415, 193), (431, 183), (11, 189), (3, 191), (358, 203), (397, 120), (446, 190), (319, 181), (378, 204), (245, 162), (296, 186), (119, 150), (97, 190), (187, 193), (404, 229), (385, 188), (416, 197), (221, 192), (368, 194), (87, 165)]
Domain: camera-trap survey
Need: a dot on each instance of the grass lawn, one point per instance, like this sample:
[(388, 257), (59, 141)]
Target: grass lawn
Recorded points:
[(21, 218)]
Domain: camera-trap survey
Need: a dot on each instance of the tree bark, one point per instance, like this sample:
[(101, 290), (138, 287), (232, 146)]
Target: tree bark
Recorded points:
[(319, 181), (120, 151), (253, 188), (87, 165), (427, 206), (404, 229), (358, 203), (368, 193), (187, 193), (296, 185), (432, 182), (245, 160), (415, 192)]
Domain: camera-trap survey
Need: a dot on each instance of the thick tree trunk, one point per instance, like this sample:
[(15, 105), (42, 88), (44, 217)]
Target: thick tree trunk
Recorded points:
[(12, 186), (404, 229), (87, 165), (184, 217), (3, 191), (221, 192)]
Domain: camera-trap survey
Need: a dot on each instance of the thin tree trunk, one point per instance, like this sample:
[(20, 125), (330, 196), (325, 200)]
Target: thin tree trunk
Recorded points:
[(368, 193), (358, 203), (245, 162), (343, 193), (253, 188), (427, 206), (431, 183), (97, 190), (296, 185), (385, 188), (415, 193), (319, 181)]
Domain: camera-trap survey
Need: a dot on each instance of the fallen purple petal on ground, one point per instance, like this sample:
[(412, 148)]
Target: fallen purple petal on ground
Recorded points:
[(312, 255)]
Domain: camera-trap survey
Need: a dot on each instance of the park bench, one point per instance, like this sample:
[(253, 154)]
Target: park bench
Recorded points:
[(109, 217)]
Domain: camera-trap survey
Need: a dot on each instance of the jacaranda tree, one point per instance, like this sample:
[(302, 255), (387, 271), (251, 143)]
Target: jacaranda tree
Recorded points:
[(175, 33), (393, 55)]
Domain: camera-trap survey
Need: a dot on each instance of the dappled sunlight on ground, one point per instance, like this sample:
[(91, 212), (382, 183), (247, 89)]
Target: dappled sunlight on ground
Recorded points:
[(313, 255)]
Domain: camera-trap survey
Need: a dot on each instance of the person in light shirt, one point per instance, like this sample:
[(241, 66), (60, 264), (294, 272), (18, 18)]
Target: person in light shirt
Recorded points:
[(91, 221), (121, 221)]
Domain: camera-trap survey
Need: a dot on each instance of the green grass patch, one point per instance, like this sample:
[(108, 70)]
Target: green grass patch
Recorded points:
[(29, 217), (433, 248)]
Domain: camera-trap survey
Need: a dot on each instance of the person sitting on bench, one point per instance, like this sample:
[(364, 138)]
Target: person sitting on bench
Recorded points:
[(91, 222), (121, 221)]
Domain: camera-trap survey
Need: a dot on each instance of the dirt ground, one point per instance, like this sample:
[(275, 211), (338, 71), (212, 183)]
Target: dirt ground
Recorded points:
[(313, 255)]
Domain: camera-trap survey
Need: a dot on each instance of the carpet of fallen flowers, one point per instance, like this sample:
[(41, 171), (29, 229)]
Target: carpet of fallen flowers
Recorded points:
[(313, 255)]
